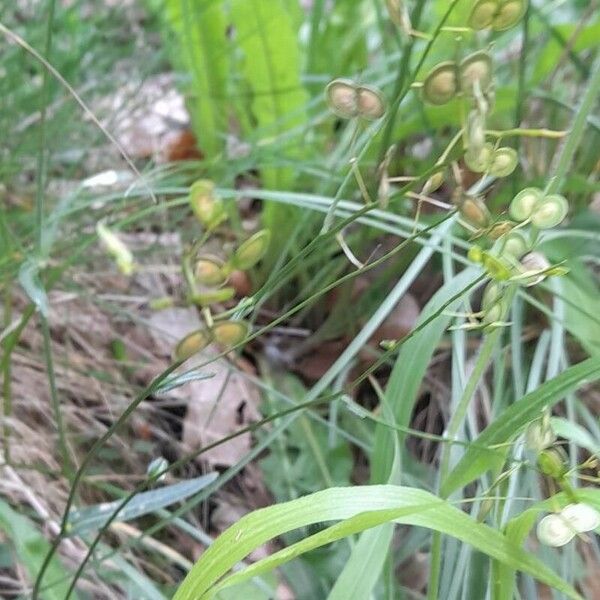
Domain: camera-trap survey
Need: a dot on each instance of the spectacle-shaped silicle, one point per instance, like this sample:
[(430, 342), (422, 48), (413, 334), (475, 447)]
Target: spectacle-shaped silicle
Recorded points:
[(441, 83)]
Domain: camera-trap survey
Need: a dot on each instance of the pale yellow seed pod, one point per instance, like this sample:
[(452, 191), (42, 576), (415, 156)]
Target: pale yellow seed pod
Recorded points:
[(581, 517), (479, 161), (399, 15), (370, 103), (515, 245), (482, 14), (509, 14), (497, 230), (206, 207), (252, 250), (213, 296), (524, 203), (434, 183), (555, 531), (192, 344), (116, 248), (209, 270), (441, 83), (504, 162), (550, 212), (476, 67), (342, 98), (230, 333)]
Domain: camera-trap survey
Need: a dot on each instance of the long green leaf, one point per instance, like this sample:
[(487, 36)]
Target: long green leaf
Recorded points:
[(359, 508), (477, 460)]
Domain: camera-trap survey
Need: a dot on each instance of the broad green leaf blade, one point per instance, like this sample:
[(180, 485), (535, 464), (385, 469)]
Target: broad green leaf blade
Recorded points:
[(576, 434), (359, 508), (31, 548), (94, 517), (410, 368), (477, 460)]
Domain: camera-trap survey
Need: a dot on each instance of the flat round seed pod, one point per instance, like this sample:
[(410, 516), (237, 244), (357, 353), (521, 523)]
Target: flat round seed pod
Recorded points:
[(554, 530), (483, 13), (475, 212), (342, 98), (524, 203), (252, 250), (441, 83), (481, 161), (370, 102), (509, 14), (581, 517), (208, 209), (514, 244), (192, 343), (550, 211), (230, 333), (504, 162), (214, 296), (475, 130), (209, 270), (494, 313), (475, 67)]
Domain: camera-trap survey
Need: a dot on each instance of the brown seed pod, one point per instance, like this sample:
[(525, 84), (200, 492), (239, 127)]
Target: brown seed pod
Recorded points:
[(230, 333), (476, 67), (192, 343), (475, 212), (342, 98), (497, 230), (434, 182), (441, 83), (482, 14), (510, 12), (371, 105), (209, 270)]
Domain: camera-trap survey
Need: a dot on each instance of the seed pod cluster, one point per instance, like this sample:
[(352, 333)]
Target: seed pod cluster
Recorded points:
[(347, 100), (542, 210), (560, 528), (227, 334), (498, 15), (449, 78)]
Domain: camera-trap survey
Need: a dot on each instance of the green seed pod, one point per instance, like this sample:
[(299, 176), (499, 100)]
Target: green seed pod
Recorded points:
[(496, 268), (476, 67), (551, 463), (116, 248), (504, 162), (581, 517), (192, 343), (252, 250), (208, 209), (209, 271), (213, 296), (230, 333), (475, 131), (370, 102), (479, 162), (441, 83), (491, 295), (434, 182), (475, 212), (475, 254), (342, 98), (497, 230), (514, 245), (524, 203), (495, 313), (550, 211), (555, 531), (482, 14), (509, 14), (533, 263)]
